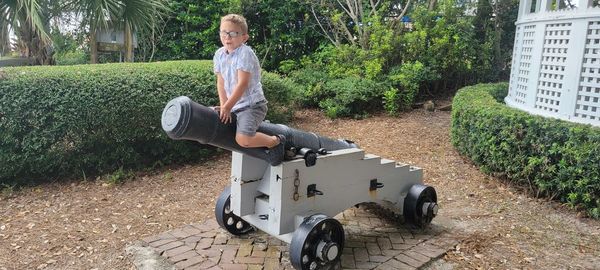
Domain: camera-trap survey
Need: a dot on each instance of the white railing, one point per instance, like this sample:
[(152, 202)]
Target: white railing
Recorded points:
[(556, 60)]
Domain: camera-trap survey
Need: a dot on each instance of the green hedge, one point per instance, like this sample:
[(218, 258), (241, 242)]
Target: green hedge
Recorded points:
[(73, 121), (555, 158)]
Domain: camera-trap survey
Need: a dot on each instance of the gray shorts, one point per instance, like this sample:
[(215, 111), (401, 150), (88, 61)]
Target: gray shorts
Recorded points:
[(249, 118)]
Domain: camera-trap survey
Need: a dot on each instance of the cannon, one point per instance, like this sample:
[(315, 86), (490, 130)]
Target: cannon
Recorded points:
[(296, 199)]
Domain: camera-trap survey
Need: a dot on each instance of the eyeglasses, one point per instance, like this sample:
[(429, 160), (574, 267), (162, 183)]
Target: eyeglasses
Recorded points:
[(231, 34)]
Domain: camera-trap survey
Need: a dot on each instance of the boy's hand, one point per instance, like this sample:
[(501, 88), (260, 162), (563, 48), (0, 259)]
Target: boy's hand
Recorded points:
[(225, 114)]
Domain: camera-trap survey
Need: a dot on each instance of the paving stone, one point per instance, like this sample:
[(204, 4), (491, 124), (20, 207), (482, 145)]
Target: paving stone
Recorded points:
[(220, 239), (191, 229), (237, 266), (399, 265), (391, 252), (273, 252), (408, 260), (353, 244), (245, 250), (258, 253), (183, 256), (228, 255), (373, 249), (361, 255), (208, 234), (430, 250), (396, 238), (192, 240), (209, 252), (162, 242), (384, 243), (249, 260), (384, 267), (417, 256), (348, 261), (168, 246), (176, 251), (254, 267), (402, 246), (190, 262), (379, 259), (366, 265), (209, 263), (271, 264), (204, 243)]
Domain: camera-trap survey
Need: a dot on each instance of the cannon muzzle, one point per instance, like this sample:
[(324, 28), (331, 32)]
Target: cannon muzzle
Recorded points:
[(184, 119)]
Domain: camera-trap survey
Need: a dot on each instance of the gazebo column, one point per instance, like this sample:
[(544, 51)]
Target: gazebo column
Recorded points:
[(524, 7), (546, 5)]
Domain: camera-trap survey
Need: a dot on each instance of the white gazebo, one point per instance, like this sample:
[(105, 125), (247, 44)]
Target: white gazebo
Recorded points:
[(556, 60)]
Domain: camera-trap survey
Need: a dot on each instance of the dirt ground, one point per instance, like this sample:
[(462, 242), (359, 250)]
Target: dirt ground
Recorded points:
[(87, 224)]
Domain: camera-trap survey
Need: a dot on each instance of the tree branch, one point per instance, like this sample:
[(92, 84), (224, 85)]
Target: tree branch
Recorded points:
[(321, 26)]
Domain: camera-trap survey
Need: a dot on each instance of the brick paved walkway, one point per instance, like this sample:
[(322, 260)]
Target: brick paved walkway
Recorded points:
[(373, 241)]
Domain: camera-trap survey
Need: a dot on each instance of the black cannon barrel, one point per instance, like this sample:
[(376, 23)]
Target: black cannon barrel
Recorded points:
[(184, 119)]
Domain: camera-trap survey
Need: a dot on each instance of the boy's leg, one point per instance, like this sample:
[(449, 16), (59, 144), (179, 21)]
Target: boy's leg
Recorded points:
[(246, 136), (248, 121), (258, 140)]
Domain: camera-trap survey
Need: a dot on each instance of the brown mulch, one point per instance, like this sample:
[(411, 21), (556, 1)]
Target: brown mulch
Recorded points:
[(87, 224)]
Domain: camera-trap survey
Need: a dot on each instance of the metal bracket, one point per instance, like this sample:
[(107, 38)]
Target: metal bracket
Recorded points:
[(311, 191), (374, 185)]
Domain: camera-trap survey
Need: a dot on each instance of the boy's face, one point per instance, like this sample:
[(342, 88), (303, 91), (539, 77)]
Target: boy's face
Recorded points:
[(231, 36)]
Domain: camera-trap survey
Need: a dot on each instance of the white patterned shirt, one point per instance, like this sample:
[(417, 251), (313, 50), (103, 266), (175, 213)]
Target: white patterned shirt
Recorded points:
[(227, 64)]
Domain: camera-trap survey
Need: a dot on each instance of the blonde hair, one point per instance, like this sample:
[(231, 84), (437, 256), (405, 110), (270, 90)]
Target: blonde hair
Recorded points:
[(238, 20)]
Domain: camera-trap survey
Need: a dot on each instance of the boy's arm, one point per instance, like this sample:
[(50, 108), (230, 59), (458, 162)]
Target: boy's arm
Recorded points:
[(221, 90), (238, 91)]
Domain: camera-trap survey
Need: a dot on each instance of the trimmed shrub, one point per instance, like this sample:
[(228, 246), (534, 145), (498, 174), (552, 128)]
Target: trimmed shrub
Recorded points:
[(312, 81), (353, 97), (74, 120), (72, 58), (554, 158)]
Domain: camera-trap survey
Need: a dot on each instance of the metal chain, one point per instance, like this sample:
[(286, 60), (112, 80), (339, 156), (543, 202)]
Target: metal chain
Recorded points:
[(296, 184)]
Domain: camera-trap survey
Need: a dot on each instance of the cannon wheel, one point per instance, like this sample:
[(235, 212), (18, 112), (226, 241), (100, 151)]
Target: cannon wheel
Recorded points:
[(317, 243), (420, 205), (226, 218)]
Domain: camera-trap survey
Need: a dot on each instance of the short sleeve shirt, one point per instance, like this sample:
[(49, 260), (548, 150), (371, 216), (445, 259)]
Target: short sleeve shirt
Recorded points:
[(227, 64)]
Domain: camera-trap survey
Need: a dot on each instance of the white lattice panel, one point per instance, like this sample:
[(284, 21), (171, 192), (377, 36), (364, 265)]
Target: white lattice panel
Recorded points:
[(524, 64), (552, 71), (588, 95), (512, 87)]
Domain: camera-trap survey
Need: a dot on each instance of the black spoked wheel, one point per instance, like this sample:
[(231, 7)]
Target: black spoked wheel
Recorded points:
[(317, 243), (226, 218), (420, 205)]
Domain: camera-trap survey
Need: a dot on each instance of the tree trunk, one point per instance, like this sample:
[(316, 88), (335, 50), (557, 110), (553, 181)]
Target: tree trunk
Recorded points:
[(128, 42), (93, 47), (432, 4), (4, 40)]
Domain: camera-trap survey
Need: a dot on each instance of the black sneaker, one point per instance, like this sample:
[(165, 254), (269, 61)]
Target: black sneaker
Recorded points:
[(276, 154)]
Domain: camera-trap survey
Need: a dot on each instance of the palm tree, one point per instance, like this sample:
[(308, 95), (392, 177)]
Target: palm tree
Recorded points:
[(4, 39), (137, 15), (132, 15), (25, 18)]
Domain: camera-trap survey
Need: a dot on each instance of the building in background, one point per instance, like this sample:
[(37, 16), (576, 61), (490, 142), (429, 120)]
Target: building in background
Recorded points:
[(113, 41)]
